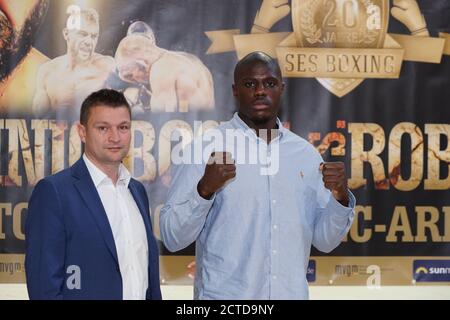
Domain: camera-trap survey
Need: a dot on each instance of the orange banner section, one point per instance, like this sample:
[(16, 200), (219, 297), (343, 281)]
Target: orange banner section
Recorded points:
[(419, 49), (446, 36)]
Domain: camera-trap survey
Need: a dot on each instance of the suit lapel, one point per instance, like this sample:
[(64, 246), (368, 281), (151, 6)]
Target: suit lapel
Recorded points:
[(86, 188), (142, 209), (153, 267)]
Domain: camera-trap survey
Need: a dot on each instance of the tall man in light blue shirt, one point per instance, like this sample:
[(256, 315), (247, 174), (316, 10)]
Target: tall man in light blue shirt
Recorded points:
[(254, 222)]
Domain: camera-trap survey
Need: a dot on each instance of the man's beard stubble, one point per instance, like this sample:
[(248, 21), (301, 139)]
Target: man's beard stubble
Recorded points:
[(15, 44)]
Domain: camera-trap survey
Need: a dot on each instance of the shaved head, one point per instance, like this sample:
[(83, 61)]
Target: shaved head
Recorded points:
[(253, 59)]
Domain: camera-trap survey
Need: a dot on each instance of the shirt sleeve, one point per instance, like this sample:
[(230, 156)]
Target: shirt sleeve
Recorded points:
[(332, 219), (183, 216)]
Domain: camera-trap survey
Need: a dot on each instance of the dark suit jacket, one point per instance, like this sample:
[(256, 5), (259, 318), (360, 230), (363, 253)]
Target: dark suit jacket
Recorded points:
[(67, 226)]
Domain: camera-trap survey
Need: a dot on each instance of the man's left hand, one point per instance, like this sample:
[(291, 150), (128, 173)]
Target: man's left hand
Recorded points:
[(335, 179)]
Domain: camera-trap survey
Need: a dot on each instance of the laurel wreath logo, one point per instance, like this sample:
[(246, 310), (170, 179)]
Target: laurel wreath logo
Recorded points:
[(370, 36), (309, 28), (313, 34)]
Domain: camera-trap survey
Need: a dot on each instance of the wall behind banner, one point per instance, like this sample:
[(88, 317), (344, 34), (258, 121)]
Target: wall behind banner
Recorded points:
[(393, 134)]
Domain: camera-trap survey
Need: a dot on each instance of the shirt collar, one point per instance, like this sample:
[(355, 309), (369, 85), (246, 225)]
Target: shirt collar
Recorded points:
[(124, 175), (98, 176), (238, 123)]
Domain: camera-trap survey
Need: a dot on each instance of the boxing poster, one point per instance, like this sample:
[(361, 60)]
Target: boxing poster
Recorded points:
[(367, 83)]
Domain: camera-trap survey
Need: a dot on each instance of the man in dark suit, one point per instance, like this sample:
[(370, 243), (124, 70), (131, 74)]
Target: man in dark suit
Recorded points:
[(88, 229)]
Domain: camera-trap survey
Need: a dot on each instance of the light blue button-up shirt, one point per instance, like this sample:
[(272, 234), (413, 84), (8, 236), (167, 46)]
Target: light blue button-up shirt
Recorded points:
[(253, 238)]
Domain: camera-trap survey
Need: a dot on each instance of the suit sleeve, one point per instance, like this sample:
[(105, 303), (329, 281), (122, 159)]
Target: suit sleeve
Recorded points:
[(45, 243)]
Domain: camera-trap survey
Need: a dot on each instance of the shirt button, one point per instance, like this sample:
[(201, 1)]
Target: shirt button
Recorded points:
[(274, 251), (274, 277), (275, 226), (274, 201)]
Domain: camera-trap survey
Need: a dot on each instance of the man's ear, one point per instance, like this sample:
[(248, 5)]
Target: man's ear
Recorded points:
[(234, 90), (65, 33), (81, 132)]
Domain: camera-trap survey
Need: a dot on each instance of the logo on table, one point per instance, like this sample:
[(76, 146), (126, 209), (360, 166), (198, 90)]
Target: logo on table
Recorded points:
[(311, 272), (431, 270), (348, 269)]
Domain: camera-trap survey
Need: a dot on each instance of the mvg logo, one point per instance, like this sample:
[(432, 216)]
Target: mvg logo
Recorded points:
[(431, 270)]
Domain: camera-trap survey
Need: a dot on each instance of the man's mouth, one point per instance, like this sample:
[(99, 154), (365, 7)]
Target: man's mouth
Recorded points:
[(261, 105), (114, 149), (86, 49)]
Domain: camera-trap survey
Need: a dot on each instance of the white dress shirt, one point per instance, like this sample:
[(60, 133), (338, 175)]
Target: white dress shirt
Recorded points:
[(127, 227)]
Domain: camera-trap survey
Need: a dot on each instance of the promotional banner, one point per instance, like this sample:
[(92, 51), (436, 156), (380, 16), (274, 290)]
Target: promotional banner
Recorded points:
[(367, 83)]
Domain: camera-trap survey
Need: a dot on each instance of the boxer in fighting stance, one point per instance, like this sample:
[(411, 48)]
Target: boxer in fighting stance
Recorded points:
[(65, 81)]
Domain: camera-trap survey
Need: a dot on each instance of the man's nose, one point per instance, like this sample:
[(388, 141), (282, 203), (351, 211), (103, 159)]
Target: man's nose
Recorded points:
[(114, 135), (260, 90), (88, 39)]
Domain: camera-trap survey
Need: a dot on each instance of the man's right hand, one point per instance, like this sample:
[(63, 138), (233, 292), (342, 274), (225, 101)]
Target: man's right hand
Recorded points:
[(218, 171)]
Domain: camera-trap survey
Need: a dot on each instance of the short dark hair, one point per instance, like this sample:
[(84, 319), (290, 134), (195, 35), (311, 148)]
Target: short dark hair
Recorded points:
[(104, 97), (257, 57)]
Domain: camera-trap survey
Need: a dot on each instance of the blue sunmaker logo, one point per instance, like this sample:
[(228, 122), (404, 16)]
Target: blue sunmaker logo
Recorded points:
[(311, 272), (431, 270)]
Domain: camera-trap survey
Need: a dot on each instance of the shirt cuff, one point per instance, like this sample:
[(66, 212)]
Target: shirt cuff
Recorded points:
[(338, 208), (200, 204)]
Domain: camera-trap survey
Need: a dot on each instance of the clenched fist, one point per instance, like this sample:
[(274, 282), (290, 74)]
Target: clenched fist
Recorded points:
[(408, 13), (271, 12), (218, 171), (335, 179)]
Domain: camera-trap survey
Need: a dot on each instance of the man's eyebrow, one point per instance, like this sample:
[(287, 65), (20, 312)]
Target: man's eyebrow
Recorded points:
[(109, 124), (101, 123), (263, 78)]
